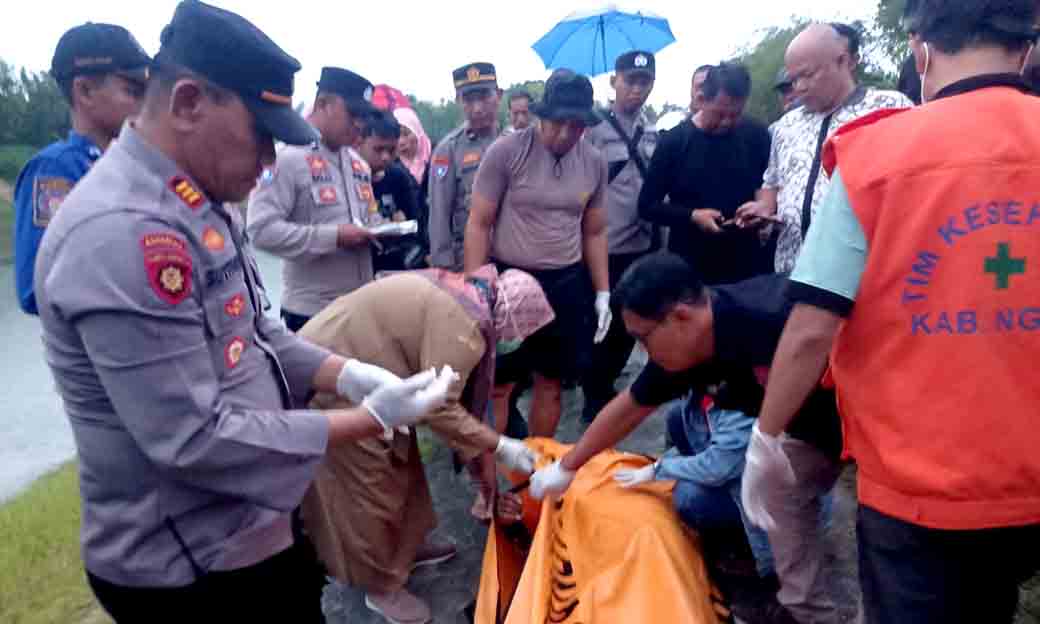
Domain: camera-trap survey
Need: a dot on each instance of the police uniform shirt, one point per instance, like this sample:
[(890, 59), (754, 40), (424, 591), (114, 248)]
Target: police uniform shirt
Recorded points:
[(453, 169), (626, 232), (38, 193), (175, 382), (295, 213)]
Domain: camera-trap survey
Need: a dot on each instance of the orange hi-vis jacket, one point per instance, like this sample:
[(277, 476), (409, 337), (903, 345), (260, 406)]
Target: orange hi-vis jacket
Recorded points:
[(936, 367)]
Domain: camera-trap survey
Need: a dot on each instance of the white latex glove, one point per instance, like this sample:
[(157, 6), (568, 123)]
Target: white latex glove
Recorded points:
[(552, 480), (515, 455), (765, 467), (631, 477), (405, 403), (603, 315), (357, 380)]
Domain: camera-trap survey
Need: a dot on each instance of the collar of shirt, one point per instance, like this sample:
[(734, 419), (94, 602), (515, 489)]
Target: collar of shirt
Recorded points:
[(985, 81), (88, 145)]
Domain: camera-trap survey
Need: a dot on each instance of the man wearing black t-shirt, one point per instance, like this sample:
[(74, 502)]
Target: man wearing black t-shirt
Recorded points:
[(708, 166), (393, 192), (718, 342)]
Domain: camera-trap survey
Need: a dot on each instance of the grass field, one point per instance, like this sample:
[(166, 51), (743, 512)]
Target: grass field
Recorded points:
[(41, 574)]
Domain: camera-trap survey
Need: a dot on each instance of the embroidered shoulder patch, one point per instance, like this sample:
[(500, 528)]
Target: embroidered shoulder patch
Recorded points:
[(168, 265), (48, 194)]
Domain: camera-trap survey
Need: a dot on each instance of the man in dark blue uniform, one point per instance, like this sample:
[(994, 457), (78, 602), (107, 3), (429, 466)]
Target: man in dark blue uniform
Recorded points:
[(101, 69)]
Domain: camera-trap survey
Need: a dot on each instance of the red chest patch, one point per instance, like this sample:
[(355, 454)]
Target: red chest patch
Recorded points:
[(233, 351), (212, 239), (168, 265), (327, 195), (235, 306), (319, 168)]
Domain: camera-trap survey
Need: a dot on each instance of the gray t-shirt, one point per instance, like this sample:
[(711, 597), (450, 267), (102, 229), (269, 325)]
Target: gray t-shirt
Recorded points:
[(541, 199)]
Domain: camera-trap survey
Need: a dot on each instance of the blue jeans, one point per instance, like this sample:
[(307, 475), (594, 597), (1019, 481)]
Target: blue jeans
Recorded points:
[(710, 507)]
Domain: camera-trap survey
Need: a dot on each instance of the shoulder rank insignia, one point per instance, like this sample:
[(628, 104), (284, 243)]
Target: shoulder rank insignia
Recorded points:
[(168, 265), (184, 189)]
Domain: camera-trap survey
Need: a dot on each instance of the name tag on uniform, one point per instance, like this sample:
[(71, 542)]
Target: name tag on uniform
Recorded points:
[(48, 194)]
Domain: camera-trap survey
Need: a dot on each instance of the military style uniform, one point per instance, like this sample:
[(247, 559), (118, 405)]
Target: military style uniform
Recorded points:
[(295, 213), (178, 388), (88, 49), (453, 168)]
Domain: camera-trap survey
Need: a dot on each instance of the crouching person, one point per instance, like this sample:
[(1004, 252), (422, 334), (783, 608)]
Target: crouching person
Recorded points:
[(370, 513)]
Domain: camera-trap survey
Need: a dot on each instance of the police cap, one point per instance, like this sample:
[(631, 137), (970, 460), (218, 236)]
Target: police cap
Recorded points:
[(99, 49), (353, 88), (473, 77), (231, 52), (636, 61)]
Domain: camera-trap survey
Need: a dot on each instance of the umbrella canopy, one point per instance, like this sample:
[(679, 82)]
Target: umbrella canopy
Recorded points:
[(589, 42)]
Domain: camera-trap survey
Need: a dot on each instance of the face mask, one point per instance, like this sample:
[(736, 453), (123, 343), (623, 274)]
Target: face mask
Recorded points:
[(507, 347)]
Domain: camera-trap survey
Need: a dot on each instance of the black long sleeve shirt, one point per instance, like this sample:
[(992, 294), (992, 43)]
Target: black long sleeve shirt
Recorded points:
[(694, 170)]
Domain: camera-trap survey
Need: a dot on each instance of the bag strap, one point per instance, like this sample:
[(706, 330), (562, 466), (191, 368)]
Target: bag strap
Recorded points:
[(631, 143)]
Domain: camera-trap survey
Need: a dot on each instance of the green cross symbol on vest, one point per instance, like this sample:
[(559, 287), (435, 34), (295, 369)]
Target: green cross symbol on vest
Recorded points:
[(1003, 266)]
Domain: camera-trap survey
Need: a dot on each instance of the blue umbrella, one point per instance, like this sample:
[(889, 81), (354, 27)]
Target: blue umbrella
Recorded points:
[(588, 42)]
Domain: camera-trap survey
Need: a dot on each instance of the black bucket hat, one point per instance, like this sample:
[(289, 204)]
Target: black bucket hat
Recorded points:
[(567, 96)]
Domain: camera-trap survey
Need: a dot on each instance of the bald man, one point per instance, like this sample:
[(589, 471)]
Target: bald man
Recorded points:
[(821, 67)]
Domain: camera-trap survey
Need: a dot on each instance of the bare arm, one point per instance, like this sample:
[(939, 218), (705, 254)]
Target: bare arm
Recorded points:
[(477, 245), (799, 363), (594, 246), (618, 419)]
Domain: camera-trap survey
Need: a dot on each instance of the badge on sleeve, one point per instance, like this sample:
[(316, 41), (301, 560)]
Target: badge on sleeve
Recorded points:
[(168, 265), (212, 239), (233, 351), (48, 193), (187, 192), (327, 196), (235, 306)]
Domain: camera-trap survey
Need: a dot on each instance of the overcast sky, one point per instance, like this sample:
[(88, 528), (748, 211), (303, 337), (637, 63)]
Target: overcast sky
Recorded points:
[(415, 44)]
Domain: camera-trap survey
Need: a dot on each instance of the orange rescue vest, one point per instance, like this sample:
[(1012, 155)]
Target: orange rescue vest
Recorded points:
[(939, 399)]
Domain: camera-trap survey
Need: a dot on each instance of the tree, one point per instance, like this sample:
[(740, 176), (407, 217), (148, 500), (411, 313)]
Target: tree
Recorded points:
[(890, 33), (764, 61), (33, 110)]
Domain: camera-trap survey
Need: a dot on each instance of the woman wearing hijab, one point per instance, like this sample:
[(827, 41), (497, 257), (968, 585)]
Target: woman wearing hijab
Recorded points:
[(369, 512), (413, 150)]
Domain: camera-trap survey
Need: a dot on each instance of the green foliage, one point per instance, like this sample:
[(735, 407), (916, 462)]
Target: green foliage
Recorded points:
[(32, 109), (437, 119), (890, 33), (12, 159), (41, 575), (763, 61)]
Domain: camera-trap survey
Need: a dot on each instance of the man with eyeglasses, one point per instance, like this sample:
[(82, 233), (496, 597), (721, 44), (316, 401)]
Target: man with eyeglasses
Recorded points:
[(718, 342), (454, 164)]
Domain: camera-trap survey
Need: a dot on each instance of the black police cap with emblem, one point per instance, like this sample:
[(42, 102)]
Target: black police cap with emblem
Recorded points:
[(473, 77), (353, 88), (567, 96), (99, 49), (636, 61), (231, 52)]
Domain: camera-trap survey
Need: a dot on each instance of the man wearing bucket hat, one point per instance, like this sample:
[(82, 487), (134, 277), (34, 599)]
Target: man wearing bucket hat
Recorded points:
[(456, 159), (543, 193), (101, 70), (313, 208), (179, 389)]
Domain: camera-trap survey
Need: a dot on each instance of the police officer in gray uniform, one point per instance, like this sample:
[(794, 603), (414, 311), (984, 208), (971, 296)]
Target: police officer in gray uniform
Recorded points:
[(627, 141), (178, 388), (313, 207), (456, 159)]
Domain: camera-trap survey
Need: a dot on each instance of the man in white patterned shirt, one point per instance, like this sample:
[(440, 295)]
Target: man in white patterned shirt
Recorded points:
[(821, 67)]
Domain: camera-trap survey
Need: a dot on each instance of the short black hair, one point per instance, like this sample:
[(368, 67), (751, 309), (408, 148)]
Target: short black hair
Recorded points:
[(517, 95), (953, 26), (700, 69), (653, 285), (732, 79), (852, 36), (382, 125)]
